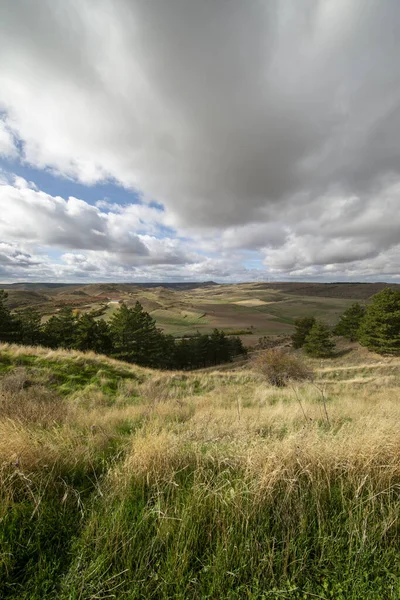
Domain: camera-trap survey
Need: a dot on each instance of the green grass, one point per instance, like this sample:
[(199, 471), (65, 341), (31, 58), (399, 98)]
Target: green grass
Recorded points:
[(68, 376), (203, 486), (178, 318), (326, 309), (204, 537)]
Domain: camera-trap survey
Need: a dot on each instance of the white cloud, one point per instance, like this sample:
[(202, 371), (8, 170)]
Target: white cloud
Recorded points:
[(264, 126), (7, 144)]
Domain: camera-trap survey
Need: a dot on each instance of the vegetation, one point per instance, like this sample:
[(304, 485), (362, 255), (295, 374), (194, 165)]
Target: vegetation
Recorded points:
[(303, 327), (380, 328), (319, 343), (121, 482), (350, 322), (281, 368), (130, 335)]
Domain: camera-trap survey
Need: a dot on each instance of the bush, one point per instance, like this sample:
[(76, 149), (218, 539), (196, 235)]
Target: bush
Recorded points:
[(279, 367)]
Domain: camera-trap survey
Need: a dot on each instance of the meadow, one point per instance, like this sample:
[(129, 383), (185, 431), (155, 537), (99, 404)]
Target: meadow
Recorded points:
[(124, 482)]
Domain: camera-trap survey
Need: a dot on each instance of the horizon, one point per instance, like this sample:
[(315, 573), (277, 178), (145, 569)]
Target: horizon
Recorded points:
[(185, 141), (196, 282)]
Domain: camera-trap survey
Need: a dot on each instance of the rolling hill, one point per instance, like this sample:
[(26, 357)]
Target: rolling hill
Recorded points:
[(252, 310)]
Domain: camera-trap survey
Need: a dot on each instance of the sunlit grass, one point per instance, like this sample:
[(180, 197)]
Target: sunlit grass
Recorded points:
[(122, 482)]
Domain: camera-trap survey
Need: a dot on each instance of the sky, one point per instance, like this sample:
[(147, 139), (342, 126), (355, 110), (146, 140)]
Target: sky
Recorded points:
[(187, 140)]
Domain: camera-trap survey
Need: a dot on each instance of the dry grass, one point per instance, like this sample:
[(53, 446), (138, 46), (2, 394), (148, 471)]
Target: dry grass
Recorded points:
[(232, 413), (23, 401), (221, 449)]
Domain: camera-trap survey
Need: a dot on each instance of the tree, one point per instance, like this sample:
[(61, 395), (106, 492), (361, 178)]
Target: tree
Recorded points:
[(30, 327), (60, 329), (220, 349), (380, 328), (319, 343), (350, 321), (9, 326), (303, 327), (103, 343), (135, 336), (237, 347), (93, 335)]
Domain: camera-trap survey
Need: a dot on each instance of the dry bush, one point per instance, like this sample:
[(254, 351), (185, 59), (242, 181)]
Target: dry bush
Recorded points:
[(280, 367)]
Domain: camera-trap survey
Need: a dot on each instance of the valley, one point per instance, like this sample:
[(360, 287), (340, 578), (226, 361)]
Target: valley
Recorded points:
[(251, 310)]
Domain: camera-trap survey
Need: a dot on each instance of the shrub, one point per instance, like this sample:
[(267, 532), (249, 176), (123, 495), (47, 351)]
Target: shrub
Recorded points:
[(279, 367)]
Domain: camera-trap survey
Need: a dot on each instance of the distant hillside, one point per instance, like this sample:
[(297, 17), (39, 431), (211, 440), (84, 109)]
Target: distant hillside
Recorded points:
[(22, 299), (358, 291), (251, 310), (107, 286)]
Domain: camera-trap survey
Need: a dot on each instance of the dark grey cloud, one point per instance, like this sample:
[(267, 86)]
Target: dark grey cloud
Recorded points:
[(265, 125)]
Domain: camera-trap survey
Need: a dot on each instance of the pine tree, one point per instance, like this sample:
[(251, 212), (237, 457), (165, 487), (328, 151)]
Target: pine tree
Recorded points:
[(220, 349), (9, 326), (93, 335), (30, 326), (135, 336), (237, 347), (60, 330), (303, 327), (350, 322), (185, 356), (319, 343), (380, 328), (103, 343)]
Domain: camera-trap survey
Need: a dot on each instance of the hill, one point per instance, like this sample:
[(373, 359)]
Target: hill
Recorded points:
[(124, 482), (251, 310)]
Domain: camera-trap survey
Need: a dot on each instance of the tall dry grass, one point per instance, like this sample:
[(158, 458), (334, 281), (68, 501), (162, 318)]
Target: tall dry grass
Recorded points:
[(203, 485)]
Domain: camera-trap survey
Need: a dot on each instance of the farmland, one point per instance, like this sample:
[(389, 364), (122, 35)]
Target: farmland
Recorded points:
[(252, 309)]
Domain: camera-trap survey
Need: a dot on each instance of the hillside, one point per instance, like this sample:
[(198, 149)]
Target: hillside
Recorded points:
[(252, 310), (124, 482)]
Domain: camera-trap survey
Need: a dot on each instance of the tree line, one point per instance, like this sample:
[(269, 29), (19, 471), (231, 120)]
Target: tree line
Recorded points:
[(376, 326), (130, 335)]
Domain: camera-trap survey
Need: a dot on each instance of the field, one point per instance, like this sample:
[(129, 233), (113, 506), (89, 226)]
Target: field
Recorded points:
[(251, 309), (123, 482)]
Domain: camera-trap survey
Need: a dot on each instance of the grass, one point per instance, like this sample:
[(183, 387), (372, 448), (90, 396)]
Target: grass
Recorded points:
[(197, 485), (178, 318)]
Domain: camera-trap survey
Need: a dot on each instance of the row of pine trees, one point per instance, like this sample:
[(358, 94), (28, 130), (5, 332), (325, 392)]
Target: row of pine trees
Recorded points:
[(376, 326), (130, 335)]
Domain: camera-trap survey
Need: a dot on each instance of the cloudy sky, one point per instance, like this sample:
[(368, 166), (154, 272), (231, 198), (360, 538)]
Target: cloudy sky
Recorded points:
[(155, 140)]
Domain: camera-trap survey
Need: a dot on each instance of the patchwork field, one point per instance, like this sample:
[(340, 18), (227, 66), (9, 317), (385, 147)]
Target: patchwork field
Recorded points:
[(250, 309)]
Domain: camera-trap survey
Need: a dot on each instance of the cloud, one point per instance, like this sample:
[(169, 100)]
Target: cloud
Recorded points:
[(7, 144), (99, 242), (264, 126)]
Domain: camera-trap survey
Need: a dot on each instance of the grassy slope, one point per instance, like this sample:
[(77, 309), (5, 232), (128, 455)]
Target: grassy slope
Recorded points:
[(123, 482)]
